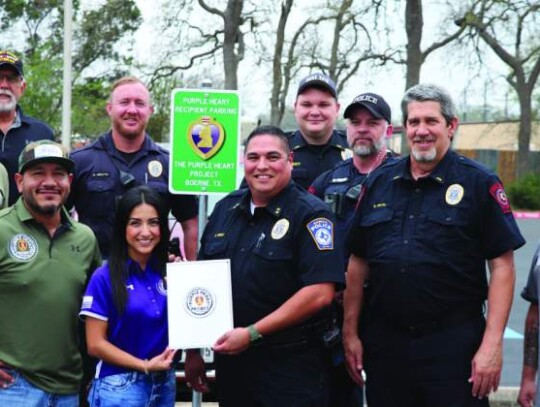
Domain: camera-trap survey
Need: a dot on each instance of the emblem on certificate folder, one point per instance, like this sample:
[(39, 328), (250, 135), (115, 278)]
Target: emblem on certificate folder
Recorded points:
[(200, 302)]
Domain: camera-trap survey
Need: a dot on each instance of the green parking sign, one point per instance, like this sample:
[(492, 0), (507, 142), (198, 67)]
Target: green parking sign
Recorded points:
[(205, 138)]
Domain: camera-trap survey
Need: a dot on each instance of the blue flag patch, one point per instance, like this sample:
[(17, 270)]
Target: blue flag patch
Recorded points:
[(322, 232)]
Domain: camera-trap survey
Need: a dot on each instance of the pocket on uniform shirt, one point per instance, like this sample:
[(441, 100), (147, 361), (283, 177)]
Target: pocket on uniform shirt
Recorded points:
[(274, 252), (214, 249)]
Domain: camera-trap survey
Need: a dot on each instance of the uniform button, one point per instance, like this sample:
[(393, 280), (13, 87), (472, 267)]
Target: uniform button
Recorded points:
[(153, 300), (411, 216), (402, 270), (405, 241), (242, 249), (417, 190), (148, 288), (448, 219), (270, 253)]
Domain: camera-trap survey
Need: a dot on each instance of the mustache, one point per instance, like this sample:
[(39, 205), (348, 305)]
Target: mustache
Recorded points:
[(7, 92)]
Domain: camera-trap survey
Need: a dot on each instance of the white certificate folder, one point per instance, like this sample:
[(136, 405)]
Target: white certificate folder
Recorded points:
[(199, 300)]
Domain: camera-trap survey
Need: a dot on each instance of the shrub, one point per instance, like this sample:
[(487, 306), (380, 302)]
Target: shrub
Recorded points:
[(524, 193)]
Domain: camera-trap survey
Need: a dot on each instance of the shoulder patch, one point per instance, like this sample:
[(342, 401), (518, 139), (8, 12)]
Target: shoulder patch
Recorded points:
[(497, 192), (322, 232)]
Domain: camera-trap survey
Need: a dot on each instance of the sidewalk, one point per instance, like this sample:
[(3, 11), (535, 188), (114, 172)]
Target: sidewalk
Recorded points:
[(504, 397)]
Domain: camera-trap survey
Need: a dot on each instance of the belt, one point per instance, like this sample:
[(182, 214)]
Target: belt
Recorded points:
[(450, 319)]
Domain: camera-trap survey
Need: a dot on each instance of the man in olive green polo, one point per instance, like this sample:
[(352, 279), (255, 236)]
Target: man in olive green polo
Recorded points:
[(45, 259)]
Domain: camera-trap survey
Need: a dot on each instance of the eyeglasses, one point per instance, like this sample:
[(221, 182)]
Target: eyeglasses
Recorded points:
[(10, 78)]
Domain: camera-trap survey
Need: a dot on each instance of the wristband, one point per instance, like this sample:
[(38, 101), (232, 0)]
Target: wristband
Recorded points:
[(254, 335)]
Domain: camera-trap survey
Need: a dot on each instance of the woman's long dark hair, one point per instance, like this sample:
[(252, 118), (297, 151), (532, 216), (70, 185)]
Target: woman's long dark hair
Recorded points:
[(118, 260)]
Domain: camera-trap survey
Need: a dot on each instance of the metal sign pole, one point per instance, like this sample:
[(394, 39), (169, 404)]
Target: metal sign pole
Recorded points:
[(196, 397)]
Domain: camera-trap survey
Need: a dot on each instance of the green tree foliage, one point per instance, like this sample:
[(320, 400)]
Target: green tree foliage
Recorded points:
[(38, 26), (524, 193)]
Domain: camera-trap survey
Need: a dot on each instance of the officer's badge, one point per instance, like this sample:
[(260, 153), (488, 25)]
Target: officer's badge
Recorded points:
[(23, 247), (205, 136), (280, 229), (155, 168), (200, 302), (454, 194), (497, 192), (322, 231)]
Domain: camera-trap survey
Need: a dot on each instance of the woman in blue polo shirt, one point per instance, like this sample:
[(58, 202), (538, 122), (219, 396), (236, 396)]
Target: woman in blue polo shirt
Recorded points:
[(126, 312)]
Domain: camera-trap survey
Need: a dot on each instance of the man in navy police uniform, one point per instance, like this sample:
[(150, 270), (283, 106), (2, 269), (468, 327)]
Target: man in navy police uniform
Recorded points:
[(316, 145), (121, 158), (280, 241), (422, 235), (369, 126), (16, 129)]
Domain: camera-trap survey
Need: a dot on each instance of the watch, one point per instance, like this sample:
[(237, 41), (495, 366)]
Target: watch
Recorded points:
[(254, 335)]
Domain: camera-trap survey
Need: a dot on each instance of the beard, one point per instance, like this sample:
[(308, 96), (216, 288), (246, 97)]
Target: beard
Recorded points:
[(129, 133), (46, 210), (361, 150), (424, 156), (10, 105)]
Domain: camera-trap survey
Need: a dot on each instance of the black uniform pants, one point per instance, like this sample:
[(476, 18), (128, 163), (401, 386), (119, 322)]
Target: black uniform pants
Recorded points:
[(273, 377), (429, 368)]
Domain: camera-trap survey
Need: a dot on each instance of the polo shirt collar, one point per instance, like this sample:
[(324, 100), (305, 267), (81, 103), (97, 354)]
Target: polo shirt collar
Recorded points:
[(25, 216)]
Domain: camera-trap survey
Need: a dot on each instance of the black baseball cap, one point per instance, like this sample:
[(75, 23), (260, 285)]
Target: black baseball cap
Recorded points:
[(10, 59), (376, 105), (44, 151), (317, 80)]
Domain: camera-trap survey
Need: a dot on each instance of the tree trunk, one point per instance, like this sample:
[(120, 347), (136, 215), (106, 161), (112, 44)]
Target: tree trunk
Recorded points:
[(524, 135), (232, 42), (414, 23), (276, 109)]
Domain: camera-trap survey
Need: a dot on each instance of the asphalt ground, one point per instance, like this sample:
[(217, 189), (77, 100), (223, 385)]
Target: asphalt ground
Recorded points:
[(513, 342)]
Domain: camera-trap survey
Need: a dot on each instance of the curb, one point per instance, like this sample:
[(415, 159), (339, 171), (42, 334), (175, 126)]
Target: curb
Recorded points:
[(504, 397), (526, 215)]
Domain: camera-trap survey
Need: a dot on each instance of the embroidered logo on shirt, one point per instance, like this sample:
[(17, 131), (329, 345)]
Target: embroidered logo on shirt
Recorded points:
[(280, 229), (454, 194), (160, 286), (87, 301), (497, 192), (23, 247), (155, 168), (200, 302), (322, 231)]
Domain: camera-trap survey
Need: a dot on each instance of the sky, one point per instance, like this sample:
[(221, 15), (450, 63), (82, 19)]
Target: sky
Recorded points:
[(443, 67)]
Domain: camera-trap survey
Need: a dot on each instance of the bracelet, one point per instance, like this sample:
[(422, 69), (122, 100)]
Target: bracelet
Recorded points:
[(145, 366)]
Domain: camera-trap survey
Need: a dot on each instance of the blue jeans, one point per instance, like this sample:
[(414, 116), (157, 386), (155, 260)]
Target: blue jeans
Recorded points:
[(134, 389), (22, 393)]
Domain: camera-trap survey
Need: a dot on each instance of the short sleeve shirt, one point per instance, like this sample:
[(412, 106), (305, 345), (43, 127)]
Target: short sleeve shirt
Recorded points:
[(142, 329), (96, 184), (275, 251), (531, 290), (427, 241)]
